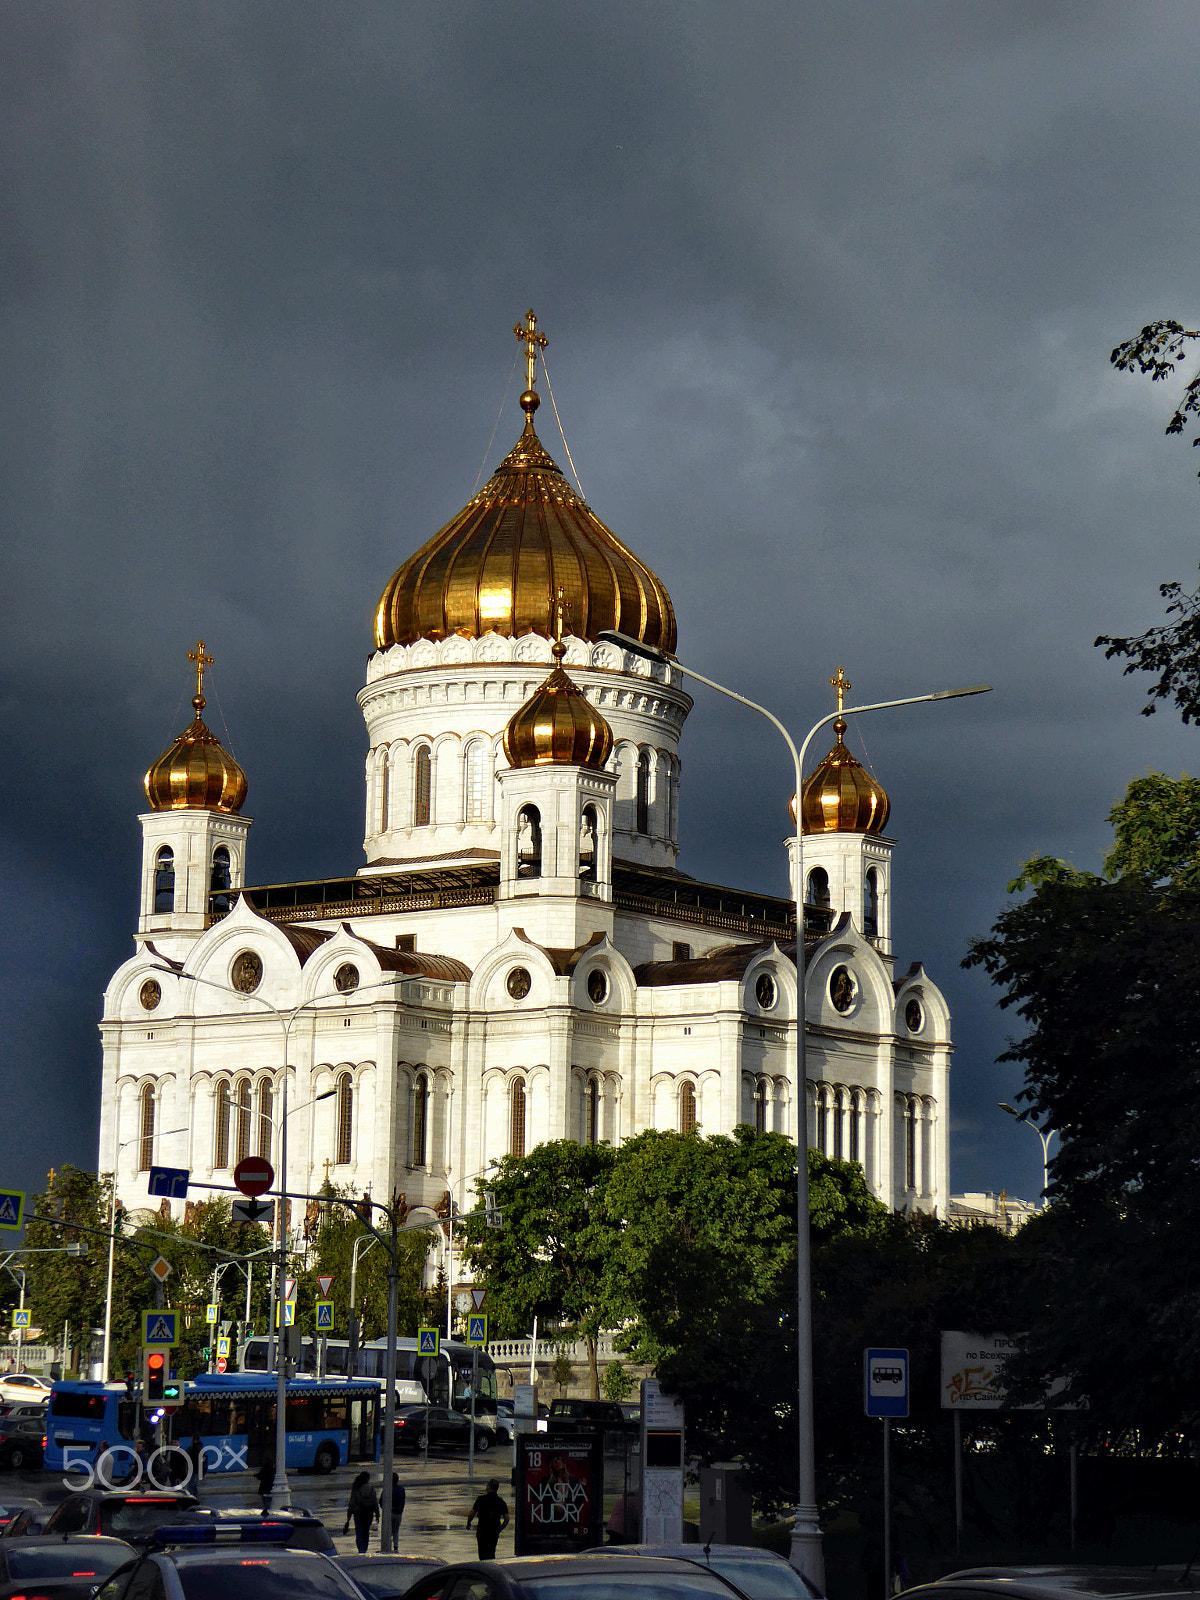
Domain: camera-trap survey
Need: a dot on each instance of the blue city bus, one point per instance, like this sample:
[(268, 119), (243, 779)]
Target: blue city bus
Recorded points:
[(328, 1423)]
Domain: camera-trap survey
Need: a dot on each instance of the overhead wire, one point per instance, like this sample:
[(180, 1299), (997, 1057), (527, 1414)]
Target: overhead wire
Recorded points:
[(499, 414), (561, 434)]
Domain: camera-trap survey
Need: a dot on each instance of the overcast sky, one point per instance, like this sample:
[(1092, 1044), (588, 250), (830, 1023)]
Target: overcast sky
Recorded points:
[(830, 293)]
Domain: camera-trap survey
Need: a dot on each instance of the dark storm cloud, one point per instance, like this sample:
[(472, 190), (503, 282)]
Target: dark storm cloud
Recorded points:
[(830, 293)]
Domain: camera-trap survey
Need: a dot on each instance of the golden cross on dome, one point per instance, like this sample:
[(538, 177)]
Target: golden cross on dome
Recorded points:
[(842, 684), (197, 655), (534, 341), (559, 649)]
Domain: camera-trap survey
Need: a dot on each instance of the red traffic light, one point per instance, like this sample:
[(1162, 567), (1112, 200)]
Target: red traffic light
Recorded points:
[(155, 1377)]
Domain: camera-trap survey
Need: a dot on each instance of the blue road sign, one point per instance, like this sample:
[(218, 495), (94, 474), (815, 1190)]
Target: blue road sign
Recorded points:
[(477, 1328), (222, 1348), (21, 1319), (160, 1328), (885, 1383), (324, 1316), (170, 1182), (428, 1341), (12, 1209)]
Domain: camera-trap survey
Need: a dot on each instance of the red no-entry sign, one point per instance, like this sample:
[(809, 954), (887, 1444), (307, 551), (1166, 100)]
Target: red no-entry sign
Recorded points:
[(254, 1176)]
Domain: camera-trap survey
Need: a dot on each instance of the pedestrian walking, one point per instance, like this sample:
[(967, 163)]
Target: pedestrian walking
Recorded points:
[(490, 1514), (397, 1509), (266, 1482), (363, 1509)]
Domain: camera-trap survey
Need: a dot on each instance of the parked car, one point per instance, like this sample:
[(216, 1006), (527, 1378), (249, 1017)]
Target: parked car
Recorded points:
[(22, 1430), (22, 1387), (581, 1577), (199, 1562), (442, 1426), (380, 1576), (1062, 1583), (20, 1516), (132, 1516), (59, 1569), (759, 1574)]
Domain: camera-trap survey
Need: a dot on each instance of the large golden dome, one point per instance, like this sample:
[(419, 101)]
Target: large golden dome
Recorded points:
[(498, 565), (196, 773), (841, 796), (557, 727)]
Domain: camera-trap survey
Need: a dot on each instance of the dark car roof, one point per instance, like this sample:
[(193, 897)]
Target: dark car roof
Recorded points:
[(1037, 1582), (586, 1562)]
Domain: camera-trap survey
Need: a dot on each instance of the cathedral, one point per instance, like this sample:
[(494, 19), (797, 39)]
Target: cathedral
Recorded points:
[(520, 956)]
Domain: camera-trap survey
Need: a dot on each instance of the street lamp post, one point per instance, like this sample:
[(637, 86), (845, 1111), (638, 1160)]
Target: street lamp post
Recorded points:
[(112, 1240), (806, 1553), (1044, 1134)]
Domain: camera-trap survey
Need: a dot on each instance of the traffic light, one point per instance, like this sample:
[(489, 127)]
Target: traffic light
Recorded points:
[(154, 1377), (172, 1393)]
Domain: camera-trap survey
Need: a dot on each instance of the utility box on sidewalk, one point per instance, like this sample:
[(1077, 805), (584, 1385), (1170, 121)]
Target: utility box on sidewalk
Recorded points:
[(724, 1504)]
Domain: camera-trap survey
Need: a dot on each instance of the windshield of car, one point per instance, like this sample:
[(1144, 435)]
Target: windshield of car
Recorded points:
[(667, 1585), (54, 1560), (120, 1518), (277, 1577), (379, 1576), (761, 1580)]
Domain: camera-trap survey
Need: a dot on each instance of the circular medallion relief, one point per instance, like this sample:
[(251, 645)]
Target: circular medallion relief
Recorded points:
[(914, 1017), (765, 992), (246, 971), (597, 987), (150, 994), (519, 983), (345, 979), (842, 989)]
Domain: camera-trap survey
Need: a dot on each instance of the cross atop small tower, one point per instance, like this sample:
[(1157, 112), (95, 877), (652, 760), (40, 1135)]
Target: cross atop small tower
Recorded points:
[(201, 660), (534, 341), (842, 685)]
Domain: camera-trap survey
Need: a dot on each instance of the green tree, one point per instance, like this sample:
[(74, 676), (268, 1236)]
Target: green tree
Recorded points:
[(1105, 975), (1172, 649), (549, 1259), (339, 1228), (705, 1277)]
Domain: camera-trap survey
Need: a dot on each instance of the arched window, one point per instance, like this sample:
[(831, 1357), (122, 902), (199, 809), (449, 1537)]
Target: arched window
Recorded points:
[(420, 1143), (221, 1127), (672, 803), (422, 782), (384, 779), (871, 904), (516, 1131), (475, 786), (219, 880), (643, 792), (146, 1145), (760, 1106), (242, 1144), (345, 1119), (910, 1144), (855, 1101), (587, 845), (529, 842), (164, 879), (593, 1112), (266, 1105), (817, 893), (687, 1108)]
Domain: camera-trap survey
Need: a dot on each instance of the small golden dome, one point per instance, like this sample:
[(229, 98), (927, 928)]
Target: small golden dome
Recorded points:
[(196, 773), (557, 727), (497, 566), (841, 796)]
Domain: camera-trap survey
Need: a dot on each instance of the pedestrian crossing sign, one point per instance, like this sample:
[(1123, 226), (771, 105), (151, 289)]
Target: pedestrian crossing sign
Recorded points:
[(211, 1312), (223, 1348), (21, 1319), (289, 1313), (324, 1316), (428, 1341), (160, 1328), (12, 1209), (477, 1328)]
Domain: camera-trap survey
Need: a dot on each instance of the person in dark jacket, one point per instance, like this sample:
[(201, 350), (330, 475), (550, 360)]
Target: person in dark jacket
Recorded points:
[(398, 1498), (490, 1514), (266, 1481), (363, 1508)]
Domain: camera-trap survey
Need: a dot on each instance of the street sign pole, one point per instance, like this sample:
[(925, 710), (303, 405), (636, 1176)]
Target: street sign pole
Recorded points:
[(885, 1395)]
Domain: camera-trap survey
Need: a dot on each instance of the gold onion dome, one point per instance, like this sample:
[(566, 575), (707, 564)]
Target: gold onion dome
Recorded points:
[(196, 773), (497, 566), (840, 795), (557, 727)]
